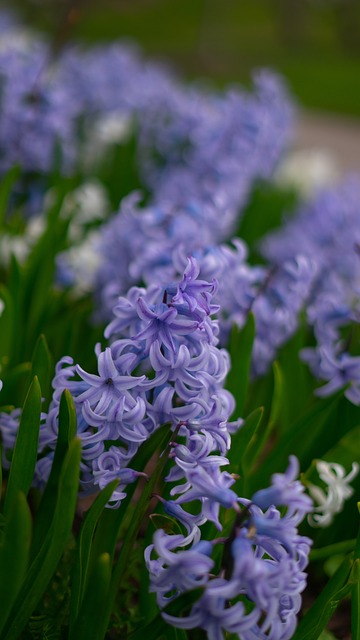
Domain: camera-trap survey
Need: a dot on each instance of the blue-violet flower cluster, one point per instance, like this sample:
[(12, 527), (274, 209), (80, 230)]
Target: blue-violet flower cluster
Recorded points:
[(256, 591), (327, 231)]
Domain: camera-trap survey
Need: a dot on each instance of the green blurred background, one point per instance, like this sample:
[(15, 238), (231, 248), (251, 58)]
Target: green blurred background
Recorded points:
[(314, 43)]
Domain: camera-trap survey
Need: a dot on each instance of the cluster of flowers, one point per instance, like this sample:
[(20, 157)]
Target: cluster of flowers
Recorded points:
[(190, 140), (151, 245), (168, 332), (255, 590), (163, 365), (199, 154), (327, 231)]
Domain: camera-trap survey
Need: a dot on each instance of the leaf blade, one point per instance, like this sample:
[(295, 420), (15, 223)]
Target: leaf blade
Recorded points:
[(14, 554), (26, 446), (45, 563)]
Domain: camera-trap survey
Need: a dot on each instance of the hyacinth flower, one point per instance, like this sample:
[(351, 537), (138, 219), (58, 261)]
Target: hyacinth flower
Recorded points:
[(65, 104), (275, 296), (204, 139), (154, 243), (37, 110), (162, 365), (197, 196), (308, 171), (330, 501), (256, 592), (326, 230)]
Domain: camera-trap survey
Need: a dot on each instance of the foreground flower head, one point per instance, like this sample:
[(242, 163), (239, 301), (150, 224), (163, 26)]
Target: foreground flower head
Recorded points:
[(162, 365), (256, 591)]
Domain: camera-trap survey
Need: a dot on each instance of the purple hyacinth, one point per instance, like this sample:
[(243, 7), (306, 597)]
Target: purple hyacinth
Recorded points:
[(162, 366), (257, 592), (37, 110), (276, 297), (326, 230)]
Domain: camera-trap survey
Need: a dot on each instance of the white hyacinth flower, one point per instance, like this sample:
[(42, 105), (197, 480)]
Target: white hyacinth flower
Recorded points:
[(12, 245), (82, 262), (85, 205), (307, 171), (331, 501), (20, 245), (113, 128)]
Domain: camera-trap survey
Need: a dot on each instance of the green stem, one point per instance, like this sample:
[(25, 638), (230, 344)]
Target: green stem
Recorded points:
[(332, 549), (355, 595)]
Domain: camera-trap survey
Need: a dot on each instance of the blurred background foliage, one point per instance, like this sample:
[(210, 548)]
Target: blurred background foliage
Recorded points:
[(314, 43)]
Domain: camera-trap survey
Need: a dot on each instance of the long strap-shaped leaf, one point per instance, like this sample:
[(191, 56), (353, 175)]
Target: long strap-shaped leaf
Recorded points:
[(241, 443), (6, 185), (45, 563), (83, 553), (306, 435), (89, 621), (14, 554), (107, 531), (157, 628), (132, 532), (316, 619), (66, 433), (240, 347), (6, 324), (14, 284), (355, 594), (26, 446), (42, 366)]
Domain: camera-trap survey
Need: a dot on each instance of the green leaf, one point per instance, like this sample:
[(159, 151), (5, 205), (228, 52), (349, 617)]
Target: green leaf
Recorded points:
[(67, 422), (154, 630), (278, 398), (15, 286), (240, 348), (6, 326), (38, 274), (107, 532), (118, 171), (16, 385), (46, 561), (42, 366), (322, 553), (169, 525), (89, 621), (243, 440), (157, 628), (84, 550), (135, 523), (14, 554), (305, 440), (346, 450), (261, 436), (179, 634), (26, 446), (6, 185), (254, 224), (157, 441), (316, 619), (355, 593), (297, 380), (66, 434)]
